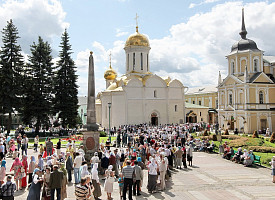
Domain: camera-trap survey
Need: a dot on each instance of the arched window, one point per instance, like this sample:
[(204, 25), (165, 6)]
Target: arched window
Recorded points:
[(141, 61), (230, 99), (233, 67), (176, 108), (155, 93), (134, 61), (261, 97), (255, 64)]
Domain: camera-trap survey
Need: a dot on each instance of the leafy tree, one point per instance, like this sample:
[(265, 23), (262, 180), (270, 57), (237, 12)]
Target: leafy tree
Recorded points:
[(39, 92), (66, 101), (11, 72)]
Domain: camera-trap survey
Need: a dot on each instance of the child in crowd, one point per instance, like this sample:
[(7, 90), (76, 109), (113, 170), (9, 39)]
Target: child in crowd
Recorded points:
[(120, 184), (15, 154), (41, 149)]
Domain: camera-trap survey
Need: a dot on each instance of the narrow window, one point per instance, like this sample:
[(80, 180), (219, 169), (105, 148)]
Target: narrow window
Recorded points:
[(255, 65), (128, 62), (233, 67), (200, 113), (155, 93), (261, 97), (200, 103), (230, 99), (216, 103), (134, 61), (147, 63), (176, 108), (141, 61), (193, 102)]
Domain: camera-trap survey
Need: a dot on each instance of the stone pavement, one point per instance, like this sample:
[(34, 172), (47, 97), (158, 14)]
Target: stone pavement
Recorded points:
[(210, 178)]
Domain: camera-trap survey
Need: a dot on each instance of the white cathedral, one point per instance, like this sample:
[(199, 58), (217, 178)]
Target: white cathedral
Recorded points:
[(139, 96)]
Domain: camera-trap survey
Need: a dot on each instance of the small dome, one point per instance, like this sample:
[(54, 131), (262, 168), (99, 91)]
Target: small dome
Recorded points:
[(110, 74), (137, 39), (244, 44)]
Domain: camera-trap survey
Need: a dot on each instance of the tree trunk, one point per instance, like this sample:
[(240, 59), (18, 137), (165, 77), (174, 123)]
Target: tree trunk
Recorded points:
[(9, 123)]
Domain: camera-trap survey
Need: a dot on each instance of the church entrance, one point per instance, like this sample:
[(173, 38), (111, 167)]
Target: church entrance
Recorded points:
[(154, 119)]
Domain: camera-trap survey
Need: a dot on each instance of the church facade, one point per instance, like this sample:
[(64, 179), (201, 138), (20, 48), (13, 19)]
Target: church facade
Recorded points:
[(139, 96), (247, 95)]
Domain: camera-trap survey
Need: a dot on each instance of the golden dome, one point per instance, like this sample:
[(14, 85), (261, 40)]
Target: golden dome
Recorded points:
[(137, 39), (110, 74)]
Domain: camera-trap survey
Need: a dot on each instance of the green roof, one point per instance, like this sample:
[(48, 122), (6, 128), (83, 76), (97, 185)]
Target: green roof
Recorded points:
[(190, 105)]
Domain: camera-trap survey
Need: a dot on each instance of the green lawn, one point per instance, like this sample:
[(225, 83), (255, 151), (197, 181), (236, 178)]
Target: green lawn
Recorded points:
[(265, 157)]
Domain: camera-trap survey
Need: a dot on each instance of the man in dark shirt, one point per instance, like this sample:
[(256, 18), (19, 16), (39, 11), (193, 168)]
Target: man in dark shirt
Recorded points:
[(58, 147), (8, 189), (56, 182)]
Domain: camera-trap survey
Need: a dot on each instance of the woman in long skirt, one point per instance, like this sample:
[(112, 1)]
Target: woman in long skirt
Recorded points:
[(109, 182), (31, 168), (34, 193), (95, 182), (25, 166)]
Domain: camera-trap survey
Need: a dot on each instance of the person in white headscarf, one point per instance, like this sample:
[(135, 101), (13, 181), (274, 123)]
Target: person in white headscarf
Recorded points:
[(84, 171), (109, 182), (153, 175), (95, 182)]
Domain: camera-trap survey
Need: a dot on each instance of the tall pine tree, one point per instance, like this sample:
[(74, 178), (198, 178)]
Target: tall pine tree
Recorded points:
[(11, 72), (39, 95), (66, 101)]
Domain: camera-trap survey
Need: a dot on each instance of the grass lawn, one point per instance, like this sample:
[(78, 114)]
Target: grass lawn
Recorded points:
[(265, 157)]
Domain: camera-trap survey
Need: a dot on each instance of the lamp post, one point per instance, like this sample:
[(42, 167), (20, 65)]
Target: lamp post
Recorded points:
[(109, 106)]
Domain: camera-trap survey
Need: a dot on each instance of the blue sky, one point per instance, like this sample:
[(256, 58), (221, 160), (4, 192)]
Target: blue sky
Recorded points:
[(189, 39)]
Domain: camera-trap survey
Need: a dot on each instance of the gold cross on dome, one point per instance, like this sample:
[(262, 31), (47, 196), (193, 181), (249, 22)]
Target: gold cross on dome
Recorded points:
[(110, 59), (136, 18)]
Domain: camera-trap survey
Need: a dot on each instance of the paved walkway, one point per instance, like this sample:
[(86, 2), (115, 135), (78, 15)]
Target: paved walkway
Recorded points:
[(210, 178)]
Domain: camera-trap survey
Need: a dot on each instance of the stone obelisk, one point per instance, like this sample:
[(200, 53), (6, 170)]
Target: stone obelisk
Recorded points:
[(91, 136)]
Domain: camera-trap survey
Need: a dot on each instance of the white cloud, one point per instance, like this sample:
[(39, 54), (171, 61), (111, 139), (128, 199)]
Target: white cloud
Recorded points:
[(192, 5), (195, 51), (34, 18), (120, 33)]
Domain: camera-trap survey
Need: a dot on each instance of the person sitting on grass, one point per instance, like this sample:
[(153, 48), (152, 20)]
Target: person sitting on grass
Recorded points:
[(248, 160)]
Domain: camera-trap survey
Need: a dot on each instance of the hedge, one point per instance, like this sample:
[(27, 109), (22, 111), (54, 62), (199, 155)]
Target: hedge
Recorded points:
[(262, 149)]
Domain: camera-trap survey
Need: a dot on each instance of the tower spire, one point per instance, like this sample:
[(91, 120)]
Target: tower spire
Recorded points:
[(136, 18), (243, 32)]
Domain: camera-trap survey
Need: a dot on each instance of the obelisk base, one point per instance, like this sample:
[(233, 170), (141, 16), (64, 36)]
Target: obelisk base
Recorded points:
[(91, 143)]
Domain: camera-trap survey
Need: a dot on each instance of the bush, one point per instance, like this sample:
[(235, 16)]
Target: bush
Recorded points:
[(255, 134), (272, 138), (245, 141), (214, 137), (231, 137), (226, 132), (262, 149), (205, 133), (103, 134)]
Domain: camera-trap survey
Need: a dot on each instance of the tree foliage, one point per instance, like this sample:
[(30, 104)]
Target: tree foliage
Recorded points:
[(39, 91), (11, 72), (66, 101)]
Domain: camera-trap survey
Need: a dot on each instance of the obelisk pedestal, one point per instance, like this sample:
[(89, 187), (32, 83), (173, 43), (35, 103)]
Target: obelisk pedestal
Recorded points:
[(91, 136)]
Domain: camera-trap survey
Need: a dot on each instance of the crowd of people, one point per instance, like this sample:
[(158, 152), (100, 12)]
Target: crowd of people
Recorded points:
[(156, 149)]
